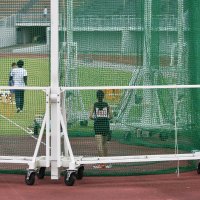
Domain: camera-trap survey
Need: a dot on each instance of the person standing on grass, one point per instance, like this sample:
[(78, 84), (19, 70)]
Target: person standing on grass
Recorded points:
[(101, 114), (19, 77), (11, 83)]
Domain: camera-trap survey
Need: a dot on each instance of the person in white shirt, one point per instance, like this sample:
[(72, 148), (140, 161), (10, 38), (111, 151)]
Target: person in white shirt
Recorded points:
[(45, 12), (19, 77), (10, 83)]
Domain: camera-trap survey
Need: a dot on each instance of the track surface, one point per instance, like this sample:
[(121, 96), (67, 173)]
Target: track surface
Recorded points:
[(152, 187)]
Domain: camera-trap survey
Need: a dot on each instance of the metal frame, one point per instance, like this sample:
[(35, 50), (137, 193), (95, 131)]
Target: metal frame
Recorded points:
[(34, 161), (54, 96), (75, 162)]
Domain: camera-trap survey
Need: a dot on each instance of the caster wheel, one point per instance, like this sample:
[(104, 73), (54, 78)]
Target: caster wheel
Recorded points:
[(198, 169), (30, 178), (41, 173), (69, 178), (80, 171)]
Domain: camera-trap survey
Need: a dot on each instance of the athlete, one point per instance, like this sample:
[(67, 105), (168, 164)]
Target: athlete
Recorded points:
[(101, 114)]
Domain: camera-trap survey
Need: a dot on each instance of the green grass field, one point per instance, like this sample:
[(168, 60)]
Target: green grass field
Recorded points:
[(38, 75), (37, 68)]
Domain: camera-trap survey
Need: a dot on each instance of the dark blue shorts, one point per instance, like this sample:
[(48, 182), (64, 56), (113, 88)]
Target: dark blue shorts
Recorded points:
[(101, 126)]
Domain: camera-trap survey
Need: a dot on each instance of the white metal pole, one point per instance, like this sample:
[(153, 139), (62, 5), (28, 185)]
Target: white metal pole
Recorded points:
[(147, 106), (182, 77), (47, 129), (129, 87), (55, 121)]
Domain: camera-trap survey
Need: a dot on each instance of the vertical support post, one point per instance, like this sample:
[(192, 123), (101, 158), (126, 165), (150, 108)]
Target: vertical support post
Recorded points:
[(147, 108), (180, 27), (181, 68), (55, 118), (69, 78), (126, 41), (47, 129), (69, 42)]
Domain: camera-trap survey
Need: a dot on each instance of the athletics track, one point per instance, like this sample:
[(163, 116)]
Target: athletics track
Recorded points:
[(148, 187)]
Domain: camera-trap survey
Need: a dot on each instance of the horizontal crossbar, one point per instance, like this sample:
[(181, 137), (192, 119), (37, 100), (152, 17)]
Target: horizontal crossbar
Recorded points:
[(136, 159)]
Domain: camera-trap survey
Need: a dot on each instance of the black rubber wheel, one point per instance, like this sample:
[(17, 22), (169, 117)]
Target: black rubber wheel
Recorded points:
[(70, 178), (41, 173), (80, 171), (198, 169), (31, 179)]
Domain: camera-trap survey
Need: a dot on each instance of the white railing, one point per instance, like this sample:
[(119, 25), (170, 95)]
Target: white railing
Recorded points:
[(32, 18), (123, 22), (84, 22)]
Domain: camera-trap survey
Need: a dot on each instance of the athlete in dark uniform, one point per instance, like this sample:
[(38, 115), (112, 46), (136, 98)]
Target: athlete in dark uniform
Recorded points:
[(101, 114), (101, 118)]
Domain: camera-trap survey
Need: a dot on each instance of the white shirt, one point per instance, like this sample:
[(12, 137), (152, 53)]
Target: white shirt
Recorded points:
[(18, 76), (45, 11)]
